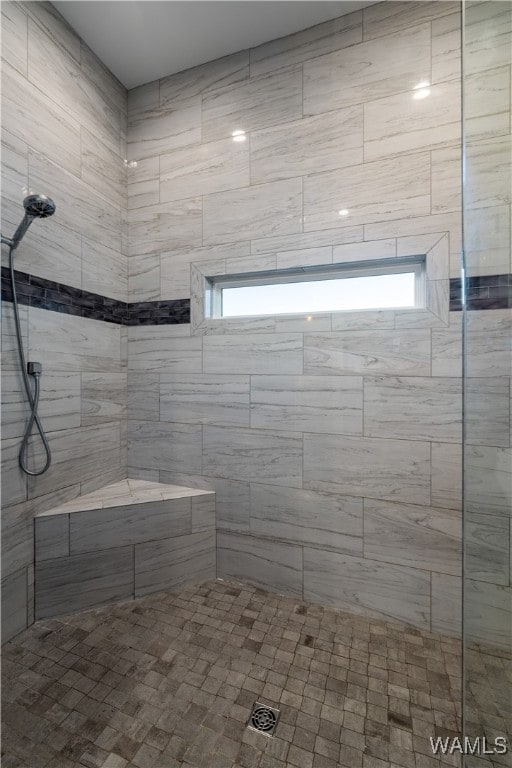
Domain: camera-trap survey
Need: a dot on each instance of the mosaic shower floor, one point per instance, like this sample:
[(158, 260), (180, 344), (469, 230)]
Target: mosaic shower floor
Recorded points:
[(170, 680)]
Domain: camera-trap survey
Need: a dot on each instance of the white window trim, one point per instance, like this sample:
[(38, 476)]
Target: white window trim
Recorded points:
[(215, 285)]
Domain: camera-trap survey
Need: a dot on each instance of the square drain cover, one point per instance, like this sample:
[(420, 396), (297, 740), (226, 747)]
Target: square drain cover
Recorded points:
[(263, 719)]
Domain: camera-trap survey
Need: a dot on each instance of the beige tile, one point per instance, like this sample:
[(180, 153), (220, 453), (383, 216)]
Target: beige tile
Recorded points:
[(446, 47)]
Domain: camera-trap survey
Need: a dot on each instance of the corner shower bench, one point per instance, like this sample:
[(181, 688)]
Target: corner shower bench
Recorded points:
[(122, 541)]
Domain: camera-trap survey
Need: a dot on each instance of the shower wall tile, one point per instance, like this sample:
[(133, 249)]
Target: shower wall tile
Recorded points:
[(413, 408), (256, 103), (17, 537), (317, 239), (51, 537), (308, 403), (14, 37), (374, 69), (372, 191), (412, 536), (170, 563), (103, 397), (104, 270), (306, 146), (487, 548), (488, 480), (332, 35), (14, 603), (218, 400), (144, 183), (14, 482), (202, 170), (165, 446), (321, 519), (163, 226), (446, 475), (446, 47), (252, 212), (205, 78), (270, 564), (402, 123), (75, 583), (382, 19), (278, 353), (402, 352), (366, 587), (446, 175), (250, 454), (487, 105), (156, 348), (143, 401), (144, 277), (488, 343), (447, 348), (446, 604), (487, 411), (394, 470), (154, 132), (103, 169)]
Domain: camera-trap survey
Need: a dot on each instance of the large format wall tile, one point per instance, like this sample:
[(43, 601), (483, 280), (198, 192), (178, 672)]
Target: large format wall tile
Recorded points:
[(103, 397), (309, 145), (256, 103), (446, 610), (413, 408), (17, 537), (219, 400), (171, 563), (372, 191), (278, 353), (446, 475), (164, 446), (273, 565), (165, 225), (308, 403), (157, 348), (308, 517), (250, 454), (156, 131), (488, 480), (366, 587), (383, 19), (398, 470), (367, 352), (204, 78), (76, 583), (412, 535), (51, 537), (371, 70), (265, 209), (14, 604), (59, 402)]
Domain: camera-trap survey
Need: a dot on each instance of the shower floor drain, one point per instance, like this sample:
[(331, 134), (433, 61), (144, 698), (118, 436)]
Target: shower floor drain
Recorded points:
[(263, 719)]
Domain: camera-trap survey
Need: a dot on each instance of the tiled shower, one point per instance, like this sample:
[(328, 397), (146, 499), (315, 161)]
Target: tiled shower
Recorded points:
[(312, 464)]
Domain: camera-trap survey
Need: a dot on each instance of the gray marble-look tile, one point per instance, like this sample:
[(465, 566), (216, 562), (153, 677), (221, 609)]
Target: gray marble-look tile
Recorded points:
[(383, 319), (414, 536), (14, 34), (166, 446), (203, 512), (219, 400), (487, 103), (14, 481), (231, 497), (264, 209), (309, 145), (79, 582), (211, 167), (447, 475), (366, 587), (308, 517), (304, 257), (403, 123), (59, 402), (487, 239), (447, 348), (171, 563), (487, 411), (487, 162), (164, 226), (14, 604), (420, 225), (366, 251), (318, 239), (488, 614), (143, 396), (487, 37), (143, 183), (488, 480), (44, 124), (330, 404), (373, 191), (446, 47), (395, 470), (413, 408), (101, 77), (446, 176), (51, 537), (17, 537), (144, 277), (403, 352), (250, 454), (382, 19), (121, 526), (370, 70), (103, 397), (164, 349), (266, 563), (14, 176), (156, 130), (332, 35), (488, 343), (102, 168), (253, 353), (64, 342), (256, 103), (446, 604), (487, 548), (50, 21), (204, 78)]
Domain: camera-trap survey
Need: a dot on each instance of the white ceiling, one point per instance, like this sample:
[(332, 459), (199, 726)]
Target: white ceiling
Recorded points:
[(142, 40)]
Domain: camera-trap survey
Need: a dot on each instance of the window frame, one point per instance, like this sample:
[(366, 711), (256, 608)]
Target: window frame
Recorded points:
[(372, 268)]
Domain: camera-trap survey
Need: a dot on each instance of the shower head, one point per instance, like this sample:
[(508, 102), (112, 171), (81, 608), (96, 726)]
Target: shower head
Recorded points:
[(36, 207)]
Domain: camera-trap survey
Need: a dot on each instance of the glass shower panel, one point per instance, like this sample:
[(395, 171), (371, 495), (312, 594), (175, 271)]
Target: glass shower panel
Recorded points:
[(487, 461)]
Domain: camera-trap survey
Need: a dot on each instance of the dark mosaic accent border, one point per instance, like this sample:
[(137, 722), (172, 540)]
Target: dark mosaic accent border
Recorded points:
[(486, 292), (47, 294)]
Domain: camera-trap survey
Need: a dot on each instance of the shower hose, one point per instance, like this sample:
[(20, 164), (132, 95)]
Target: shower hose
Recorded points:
[(33, 397)]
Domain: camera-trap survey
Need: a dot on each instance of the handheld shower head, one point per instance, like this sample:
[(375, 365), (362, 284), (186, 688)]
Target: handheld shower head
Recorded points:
[(36, 207)]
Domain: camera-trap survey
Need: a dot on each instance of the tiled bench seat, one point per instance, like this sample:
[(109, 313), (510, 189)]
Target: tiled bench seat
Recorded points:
[(122, 541)]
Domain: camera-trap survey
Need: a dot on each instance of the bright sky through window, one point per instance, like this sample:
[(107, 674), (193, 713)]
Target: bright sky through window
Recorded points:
[(385, 291)]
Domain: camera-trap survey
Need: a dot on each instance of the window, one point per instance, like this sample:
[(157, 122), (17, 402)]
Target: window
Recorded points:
[(332, 288)]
